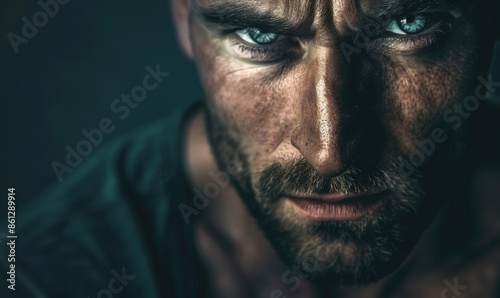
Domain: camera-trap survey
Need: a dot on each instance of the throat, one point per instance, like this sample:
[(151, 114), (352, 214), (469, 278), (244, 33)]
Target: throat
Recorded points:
[(237, 257)]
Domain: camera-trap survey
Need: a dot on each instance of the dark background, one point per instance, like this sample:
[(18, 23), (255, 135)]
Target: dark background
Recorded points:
[(65, 78)]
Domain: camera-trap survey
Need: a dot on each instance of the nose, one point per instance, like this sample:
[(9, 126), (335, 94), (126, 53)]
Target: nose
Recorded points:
[(326, 133)]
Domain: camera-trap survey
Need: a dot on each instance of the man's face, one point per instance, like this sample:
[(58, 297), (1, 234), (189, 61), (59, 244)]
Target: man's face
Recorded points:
[(318, 103)]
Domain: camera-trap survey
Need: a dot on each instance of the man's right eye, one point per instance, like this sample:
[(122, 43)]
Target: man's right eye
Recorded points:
[(256, 36)]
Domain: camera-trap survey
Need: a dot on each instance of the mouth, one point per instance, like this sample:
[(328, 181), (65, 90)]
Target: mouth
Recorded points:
[(338, 206)]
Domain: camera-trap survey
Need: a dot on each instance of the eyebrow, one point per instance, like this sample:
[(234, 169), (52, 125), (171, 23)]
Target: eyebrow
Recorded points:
[(394, 7), (243, 15)]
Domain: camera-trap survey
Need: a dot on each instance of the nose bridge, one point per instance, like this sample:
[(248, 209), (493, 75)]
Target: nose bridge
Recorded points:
[(322, 134), (323, 105)]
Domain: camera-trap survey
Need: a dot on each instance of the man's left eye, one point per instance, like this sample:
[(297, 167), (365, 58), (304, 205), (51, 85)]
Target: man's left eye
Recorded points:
[(409, 24), (256, 36)]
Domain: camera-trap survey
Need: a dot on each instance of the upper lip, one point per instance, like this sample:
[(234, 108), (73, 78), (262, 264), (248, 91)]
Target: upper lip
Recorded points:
[(337, 197)]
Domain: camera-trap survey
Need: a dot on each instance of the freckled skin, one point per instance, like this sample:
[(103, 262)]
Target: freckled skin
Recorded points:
[(335, 113), (315, 95)]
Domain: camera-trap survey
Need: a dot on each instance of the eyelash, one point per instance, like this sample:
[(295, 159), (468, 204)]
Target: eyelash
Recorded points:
[(283, 50), (288, 49), (430, 38)]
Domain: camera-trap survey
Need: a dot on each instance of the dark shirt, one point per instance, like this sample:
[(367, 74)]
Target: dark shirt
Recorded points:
[(112, 228)]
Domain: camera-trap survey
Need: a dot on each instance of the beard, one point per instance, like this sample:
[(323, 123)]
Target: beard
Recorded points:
[(355, 252)]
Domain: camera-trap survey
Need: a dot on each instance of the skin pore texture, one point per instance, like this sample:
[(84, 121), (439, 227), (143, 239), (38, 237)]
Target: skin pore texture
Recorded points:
[(307, 111)]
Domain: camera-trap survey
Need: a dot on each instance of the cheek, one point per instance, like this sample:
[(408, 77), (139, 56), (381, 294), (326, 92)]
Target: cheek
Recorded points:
[(418, 90), (244, 98)]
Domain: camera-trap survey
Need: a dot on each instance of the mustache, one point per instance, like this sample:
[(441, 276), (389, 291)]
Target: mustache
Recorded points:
[(299, 177)]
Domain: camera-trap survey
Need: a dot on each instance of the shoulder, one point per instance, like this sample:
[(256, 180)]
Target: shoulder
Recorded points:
[(472, 274), (103, 225), (135, 166)]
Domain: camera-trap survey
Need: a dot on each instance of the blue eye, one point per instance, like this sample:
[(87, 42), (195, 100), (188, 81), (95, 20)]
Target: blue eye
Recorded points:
[(408, 24), (257, 36)]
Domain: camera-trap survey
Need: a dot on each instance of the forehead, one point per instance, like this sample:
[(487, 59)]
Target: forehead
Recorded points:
[(339, 14), (297, 10), (278, 6)]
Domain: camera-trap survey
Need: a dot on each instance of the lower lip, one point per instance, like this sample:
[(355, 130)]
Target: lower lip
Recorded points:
[(345, 210)]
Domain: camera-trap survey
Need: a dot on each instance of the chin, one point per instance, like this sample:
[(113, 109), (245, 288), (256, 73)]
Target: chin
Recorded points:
[(358, 252)]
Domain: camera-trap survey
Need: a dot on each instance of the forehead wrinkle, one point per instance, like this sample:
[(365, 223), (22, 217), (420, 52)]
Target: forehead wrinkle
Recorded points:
[(326, 16), (298, 11), (345, 12)]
